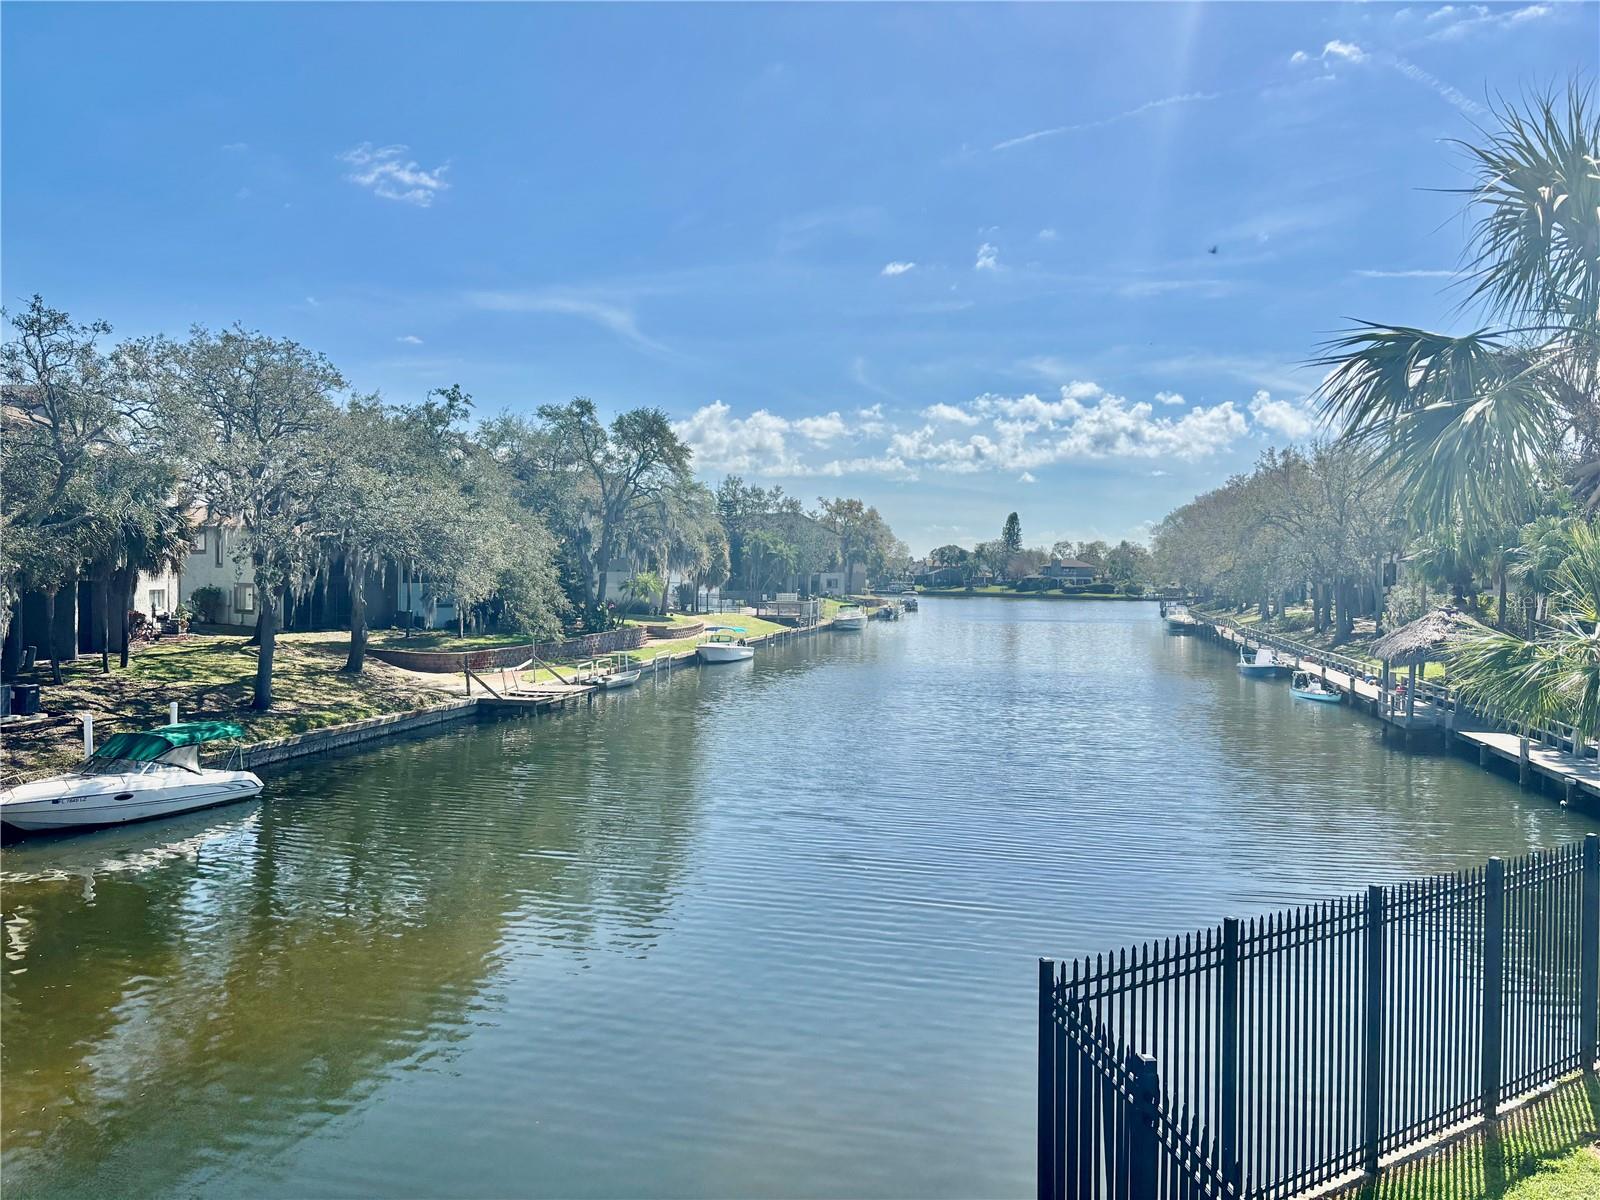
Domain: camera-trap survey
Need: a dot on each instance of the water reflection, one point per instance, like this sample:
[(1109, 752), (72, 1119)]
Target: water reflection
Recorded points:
[(759, 929)]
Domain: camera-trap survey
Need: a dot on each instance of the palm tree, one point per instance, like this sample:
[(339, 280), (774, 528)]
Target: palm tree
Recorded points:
[(1542, 547), (1557, 677), (1473, 424), (158, 540)]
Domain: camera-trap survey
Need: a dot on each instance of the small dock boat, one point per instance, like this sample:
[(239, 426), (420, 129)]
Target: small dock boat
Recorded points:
[(132, 777), (724, 645), (850, 616), (909, 602), (1307, 686), (1263, 666), (621, 671), (1180, 620)]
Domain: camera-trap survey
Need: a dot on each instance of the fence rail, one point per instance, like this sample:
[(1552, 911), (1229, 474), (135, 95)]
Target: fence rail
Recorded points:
[(1265, 1057)]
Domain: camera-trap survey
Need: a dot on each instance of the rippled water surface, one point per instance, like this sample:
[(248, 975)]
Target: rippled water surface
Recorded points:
[(762, 929)]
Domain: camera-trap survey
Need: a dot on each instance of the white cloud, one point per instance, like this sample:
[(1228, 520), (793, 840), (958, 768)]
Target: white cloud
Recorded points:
[(1048, 235), (870, 421), (897, 268), (949, 413), (988, 258), (236, 147), (313, 302), (1289, 418), (1026, 432), (1171, 398), (821, 430), (760, 444), (1026, 477), (387, 172), (1140, 110), (409, 339), (1451, 22), (1450, 94), (1348, 51), (607, 314), (1366, 274)]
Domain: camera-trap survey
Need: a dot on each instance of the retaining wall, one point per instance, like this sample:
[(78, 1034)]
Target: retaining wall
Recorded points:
[(630, 637)]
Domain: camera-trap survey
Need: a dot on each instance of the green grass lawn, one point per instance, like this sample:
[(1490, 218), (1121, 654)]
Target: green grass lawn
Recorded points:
[(1543, 1151), (209, 676)]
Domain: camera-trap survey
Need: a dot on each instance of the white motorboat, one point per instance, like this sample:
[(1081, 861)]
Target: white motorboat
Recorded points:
[(1180, 619), (1263, 665), (850, 616), (132, 777), (724, 645), (623, 672)]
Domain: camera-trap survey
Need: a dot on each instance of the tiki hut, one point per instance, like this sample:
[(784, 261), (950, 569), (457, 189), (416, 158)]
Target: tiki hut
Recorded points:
[(1427, 639)]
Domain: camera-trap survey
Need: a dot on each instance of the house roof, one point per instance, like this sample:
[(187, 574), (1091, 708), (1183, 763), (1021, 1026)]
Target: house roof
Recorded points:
[(1075, 563)]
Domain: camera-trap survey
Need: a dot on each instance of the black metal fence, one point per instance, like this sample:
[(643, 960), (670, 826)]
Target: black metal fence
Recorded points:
[(1266, 1057)]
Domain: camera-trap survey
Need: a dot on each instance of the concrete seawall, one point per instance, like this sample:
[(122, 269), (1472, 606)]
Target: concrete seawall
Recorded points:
[(278, 751)]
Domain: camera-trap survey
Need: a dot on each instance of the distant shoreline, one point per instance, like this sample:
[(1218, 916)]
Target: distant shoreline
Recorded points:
[(1008, 595)]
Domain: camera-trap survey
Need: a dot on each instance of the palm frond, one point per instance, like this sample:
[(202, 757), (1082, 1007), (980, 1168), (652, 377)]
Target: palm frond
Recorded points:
[(1464, 423), (1536, 252)]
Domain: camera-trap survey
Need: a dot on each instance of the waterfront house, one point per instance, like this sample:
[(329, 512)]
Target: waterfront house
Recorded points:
[(1072, 571)]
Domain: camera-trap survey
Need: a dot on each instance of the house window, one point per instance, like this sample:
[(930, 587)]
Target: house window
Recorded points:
[(244, 597), (219, 547), (199, 546), (158, 600)]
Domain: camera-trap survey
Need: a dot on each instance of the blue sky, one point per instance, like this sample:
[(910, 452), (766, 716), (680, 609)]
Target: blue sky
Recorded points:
[(954, 260)]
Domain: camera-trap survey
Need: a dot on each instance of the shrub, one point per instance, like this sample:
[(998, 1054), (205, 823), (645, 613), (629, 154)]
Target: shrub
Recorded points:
[(1034, 583), (207, 604), (1132, 589)]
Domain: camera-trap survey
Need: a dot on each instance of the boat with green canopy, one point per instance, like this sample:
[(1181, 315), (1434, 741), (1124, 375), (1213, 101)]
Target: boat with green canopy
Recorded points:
[(132, 777)]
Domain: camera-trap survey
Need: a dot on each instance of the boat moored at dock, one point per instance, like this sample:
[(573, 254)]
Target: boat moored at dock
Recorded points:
[(1307, 686), (1262, 665), (850, 617), (132, 777), (724, 645)]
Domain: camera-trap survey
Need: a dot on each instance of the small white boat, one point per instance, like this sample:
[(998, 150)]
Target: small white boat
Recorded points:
[(724, 645), (622, 672), (1307, 686), (133, 777), (1180, 620), (1263, 665), (909, 602), (850, 616)]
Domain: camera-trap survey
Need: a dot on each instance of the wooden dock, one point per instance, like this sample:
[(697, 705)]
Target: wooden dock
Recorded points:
[(1435, 711)]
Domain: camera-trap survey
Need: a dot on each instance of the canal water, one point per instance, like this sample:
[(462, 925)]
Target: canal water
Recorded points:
[(766, 929)]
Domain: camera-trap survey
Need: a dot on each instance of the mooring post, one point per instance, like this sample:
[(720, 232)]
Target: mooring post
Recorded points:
[(172, 712), (1228, 1085), (1144, 1149), (88, 733), (1589, 954), (1045, 1167), (1372, 1058), (1524, 765), (1494, 980)]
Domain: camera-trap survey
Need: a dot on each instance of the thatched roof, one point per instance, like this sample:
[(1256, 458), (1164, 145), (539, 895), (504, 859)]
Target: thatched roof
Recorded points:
[(1426, 639)]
